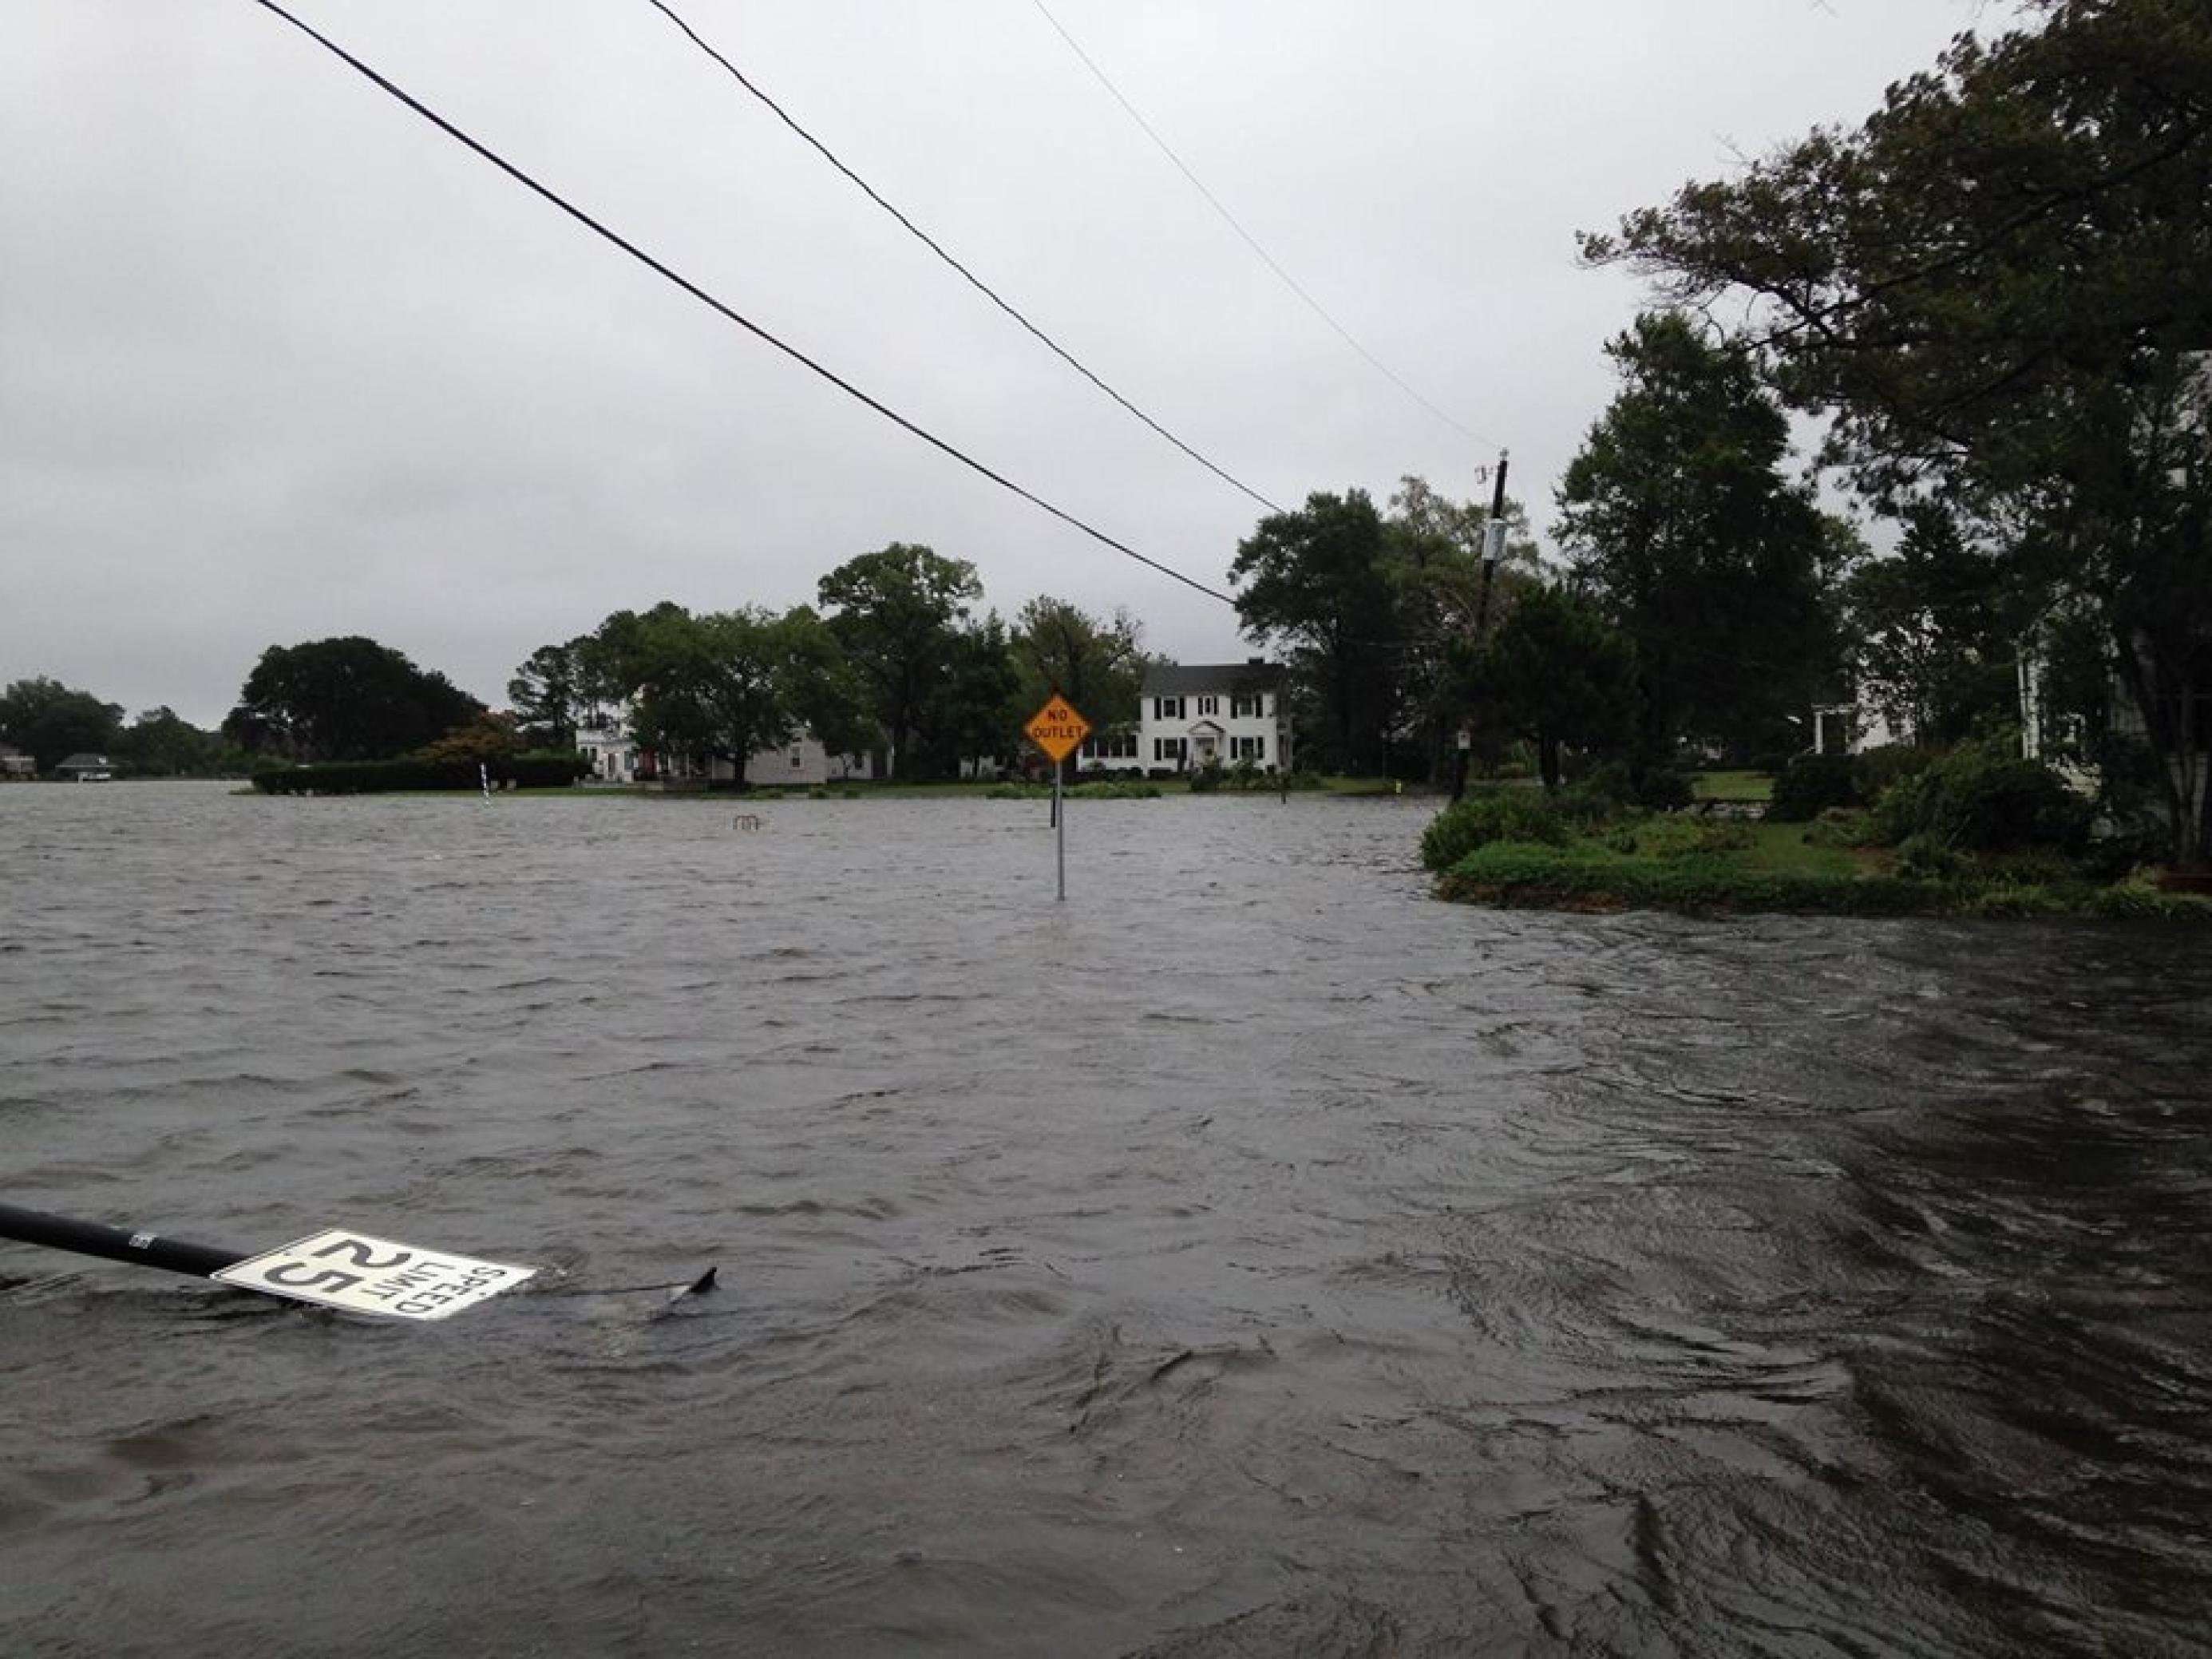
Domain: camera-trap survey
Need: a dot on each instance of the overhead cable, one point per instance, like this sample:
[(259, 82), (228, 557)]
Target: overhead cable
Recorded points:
[(1250, 241), (706, 299), (938, 248)]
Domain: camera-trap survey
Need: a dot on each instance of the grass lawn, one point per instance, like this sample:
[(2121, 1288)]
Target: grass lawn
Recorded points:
[(1741, 787)]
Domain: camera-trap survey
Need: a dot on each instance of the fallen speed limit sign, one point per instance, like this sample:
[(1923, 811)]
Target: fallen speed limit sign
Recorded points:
[(350, 1270)]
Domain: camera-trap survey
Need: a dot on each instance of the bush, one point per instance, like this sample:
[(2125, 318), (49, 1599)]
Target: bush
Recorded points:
[(1513, 873), (546, 769), (1810, 785), (1982, 798), (1493, 816), (1664, 790), (1843, 826), (1876, 770)]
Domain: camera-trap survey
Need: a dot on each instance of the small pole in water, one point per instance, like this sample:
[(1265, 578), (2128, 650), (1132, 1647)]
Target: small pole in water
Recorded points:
[(1059, 827), (483, 775)]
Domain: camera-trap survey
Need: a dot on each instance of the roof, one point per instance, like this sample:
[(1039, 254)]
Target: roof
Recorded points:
[(1175, 679), (83, 761)]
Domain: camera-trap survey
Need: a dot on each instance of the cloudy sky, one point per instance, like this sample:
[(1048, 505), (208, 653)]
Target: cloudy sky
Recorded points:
[(279, 360)]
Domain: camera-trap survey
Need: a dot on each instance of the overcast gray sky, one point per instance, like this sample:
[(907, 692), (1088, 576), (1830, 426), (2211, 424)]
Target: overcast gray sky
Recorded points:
[(280, 361)]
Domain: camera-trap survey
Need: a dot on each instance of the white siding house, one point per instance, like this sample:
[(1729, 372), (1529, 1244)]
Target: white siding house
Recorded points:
[(617, 757), (1192, 714)]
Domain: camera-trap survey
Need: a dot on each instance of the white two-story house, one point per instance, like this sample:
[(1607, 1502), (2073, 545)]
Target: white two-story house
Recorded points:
[(617, 757), (1196, 713)]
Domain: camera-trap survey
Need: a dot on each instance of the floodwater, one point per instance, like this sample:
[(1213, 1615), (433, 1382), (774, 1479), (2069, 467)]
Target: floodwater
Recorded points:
[(1248, 1256)]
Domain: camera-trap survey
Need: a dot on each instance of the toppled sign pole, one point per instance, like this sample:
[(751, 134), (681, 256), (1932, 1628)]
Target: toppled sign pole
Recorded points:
[(334, 1268), (1058, 729)]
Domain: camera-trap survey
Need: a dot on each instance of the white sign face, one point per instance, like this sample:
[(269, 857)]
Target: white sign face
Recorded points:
[(340, 1269)]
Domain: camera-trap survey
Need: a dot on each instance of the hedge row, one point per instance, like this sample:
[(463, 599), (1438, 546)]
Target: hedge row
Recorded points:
[(376, 777), (1527, 874)]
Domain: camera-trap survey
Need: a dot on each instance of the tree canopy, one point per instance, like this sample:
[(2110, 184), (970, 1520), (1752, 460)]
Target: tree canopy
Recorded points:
[(897, 612), (1680, 524), (345, 699), (1098, 665), (1995, 289), (50, 722)]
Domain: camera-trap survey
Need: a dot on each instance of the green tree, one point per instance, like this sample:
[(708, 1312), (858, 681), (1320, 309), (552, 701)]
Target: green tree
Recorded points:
[(49, 721), (825, 694), (1995, 287), (547, 694), (344, 700), (161, 743), (1318, 585), (1097, 666), (725, 685), (980, 718), (896, 612), (1932, 646), (1556, 672), (1680, 524), (1446, 597)]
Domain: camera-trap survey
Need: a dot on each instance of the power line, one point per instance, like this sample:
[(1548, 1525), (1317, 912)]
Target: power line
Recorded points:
[(1250, 241), (934, 246), (701, 294)]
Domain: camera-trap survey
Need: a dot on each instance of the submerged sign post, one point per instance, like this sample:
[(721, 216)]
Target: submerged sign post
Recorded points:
[(337, 1267), (1057, 729)]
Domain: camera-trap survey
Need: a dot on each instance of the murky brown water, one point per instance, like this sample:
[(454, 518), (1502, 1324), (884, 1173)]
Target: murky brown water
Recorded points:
[(1248, 1256)]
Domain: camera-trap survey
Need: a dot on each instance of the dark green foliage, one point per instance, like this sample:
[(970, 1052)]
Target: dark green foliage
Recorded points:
[(897, 613), (1664, 789), (1993, 287), (1689, 538), (1557, 673), (345, 699), (1810, 785), (1875, 771), (1318, 582), (50, 722), (1501, 815), (1590, 878), (1982, 797), (532, 771)]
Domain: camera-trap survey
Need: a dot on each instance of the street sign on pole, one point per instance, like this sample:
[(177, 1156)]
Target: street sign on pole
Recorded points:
[(1058, 729)]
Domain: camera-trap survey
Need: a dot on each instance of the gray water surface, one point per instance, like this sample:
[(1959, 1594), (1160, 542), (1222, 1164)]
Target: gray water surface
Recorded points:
[(1248, 1256)]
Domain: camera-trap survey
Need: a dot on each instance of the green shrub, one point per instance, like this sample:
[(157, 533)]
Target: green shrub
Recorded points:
[(1875, 770), (1981, 797), (1810, 785), (1843, 826), (1676, 836), (1589, 878), (1662, 789), (546, 769), (1492, 816)]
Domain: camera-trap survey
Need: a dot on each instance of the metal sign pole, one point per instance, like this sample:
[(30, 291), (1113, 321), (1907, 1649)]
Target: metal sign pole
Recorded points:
[(1059, 731)]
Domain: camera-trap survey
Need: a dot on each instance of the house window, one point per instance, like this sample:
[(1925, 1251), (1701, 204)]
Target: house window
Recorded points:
[(1209, 706), (1169, 752), (798, 759), (1244, 707), (1110, 747), (1250, 748), (1167, 708)]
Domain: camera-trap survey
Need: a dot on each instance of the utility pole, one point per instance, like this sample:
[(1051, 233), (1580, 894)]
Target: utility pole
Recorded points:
[(1493, 550)]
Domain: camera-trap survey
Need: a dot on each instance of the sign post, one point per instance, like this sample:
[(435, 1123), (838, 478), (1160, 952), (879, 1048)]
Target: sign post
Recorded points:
[(336, 1267), (1058, 729)]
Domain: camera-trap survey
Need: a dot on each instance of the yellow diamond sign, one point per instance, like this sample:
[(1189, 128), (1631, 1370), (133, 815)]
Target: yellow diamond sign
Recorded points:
[(1056, 728)]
